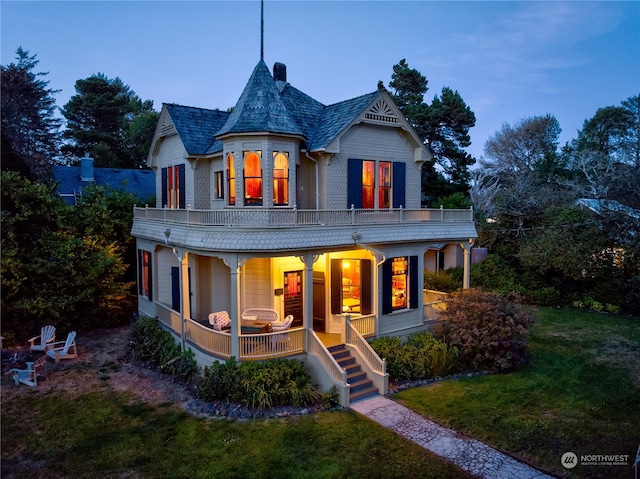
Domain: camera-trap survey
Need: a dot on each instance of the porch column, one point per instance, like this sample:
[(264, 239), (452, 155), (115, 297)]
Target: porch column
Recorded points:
[(307, 280), (185, 310), (466, 279), (234, 310)]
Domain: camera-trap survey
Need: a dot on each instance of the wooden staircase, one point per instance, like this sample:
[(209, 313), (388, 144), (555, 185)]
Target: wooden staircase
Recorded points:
[(361, 386)]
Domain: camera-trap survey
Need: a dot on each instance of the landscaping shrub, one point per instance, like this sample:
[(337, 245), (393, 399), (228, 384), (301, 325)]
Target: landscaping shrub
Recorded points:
[(422, 356), (152, 343), (495, 274), (489, 329), (276, 382), (443, 281)]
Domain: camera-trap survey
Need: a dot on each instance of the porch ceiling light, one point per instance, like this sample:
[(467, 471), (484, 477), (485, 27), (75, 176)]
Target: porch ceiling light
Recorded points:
[(167, 233)]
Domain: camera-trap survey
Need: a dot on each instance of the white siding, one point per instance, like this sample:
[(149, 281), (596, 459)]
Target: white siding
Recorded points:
[(170, 152), (372, 142), (257, 287), (202, 183)]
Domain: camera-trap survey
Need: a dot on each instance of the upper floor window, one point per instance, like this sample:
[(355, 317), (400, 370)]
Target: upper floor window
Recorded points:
[(173, 190), (252, 178), (376, 184), (231, 179), (218, 184), (280, 178)]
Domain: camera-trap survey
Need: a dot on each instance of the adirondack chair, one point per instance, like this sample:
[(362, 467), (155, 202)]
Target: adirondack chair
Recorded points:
[(29, 376), (47, 336), (63, 349)]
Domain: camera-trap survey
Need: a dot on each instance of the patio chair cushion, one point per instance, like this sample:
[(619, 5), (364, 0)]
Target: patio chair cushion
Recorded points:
[(220, 320)]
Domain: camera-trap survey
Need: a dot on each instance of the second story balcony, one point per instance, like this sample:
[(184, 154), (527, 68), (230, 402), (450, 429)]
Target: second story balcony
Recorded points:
[(296, 229)]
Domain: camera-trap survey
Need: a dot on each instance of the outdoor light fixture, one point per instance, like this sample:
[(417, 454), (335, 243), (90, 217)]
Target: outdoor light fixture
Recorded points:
[(167, 232)]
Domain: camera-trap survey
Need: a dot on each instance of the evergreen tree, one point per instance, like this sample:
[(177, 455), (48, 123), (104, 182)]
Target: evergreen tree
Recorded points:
[(110, 122), (30, 130), (443, 126)]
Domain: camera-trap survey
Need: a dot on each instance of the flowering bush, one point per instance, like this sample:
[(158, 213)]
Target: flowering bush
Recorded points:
[(489, 330)]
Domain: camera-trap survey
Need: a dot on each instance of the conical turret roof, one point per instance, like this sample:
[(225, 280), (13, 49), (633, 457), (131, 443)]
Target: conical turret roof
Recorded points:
[(260, 108)]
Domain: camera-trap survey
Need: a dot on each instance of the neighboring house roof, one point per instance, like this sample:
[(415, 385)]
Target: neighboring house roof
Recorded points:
[(70, 182), (197, 127), (600, 206), (272, 106)]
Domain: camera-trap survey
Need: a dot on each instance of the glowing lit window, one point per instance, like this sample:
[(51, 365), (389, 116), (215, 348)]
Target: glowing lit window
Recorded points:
[(384, 184), (218, 184), (231, 178), (252, 178), (368, 183), (144, 274), (399, 291), (280, 178), (173, 187)]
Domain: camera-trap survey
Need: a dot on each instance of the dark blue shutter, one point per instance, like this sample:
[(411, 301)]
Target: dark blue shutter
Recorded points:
[(414, 282), (175, 288), (150, 269), (366, 292), (386, 286), (182, 186), (399, 176), (354, 183), (140, 272), (164, 187), (336, 286)]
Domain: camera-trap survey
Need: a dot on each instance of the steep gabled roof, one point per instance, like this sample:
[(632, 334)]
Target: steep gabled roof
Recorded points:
[(260, 108), (336, 118), (197, 127)]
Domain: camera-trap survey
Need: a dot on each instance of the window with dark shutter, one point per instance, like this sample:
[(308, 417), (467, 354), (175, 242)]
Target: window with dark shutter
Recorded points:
[(399, 177), (354, 183)]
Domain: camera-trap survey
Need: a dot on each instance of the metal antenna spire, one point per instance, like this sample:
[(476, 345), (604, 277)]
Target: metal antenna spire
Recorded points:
[(262, 30)]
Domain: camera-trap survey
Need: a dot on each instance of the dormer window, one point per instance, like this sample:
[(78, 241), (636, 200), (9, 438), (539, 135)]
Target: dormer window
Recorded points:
[(252, 178), (231, 179), (280, 178)]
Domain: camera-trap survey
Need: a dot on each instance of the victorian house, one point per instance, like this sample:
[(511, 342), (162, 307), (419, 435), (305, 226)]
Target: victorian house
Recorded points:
[(286, 227)]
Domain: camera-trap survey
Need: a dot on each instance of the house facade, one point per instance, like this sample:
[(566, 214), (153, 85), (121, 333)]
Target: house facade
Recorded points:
[(288, 208)]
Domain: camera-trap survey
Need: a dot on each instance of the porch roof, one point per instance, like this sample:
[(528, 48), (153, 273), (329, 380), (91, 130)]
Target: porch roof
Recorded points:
[(298, 238)]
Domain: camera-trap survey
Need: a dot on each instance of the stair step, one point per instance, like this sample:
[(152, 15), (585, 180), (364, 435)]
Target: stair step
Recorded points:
[(363, 394), (360, 386)]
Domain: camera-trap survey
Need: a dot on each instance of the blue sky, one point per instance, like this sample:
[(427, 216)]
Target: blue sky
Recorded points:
[(508, 60)]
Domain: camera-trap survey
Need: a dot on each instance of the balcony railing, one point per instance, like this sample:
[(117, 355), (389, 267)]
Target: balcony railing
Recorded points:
[(274, 217)]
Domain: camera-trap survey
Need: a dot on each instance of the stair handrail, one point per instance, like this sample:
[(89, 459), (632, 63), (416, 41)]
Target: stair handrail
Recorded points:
[(375, 362), (325, 357)]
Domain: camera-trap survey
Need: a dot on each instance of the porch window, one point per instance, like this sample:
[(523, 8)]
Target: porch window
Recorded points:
[(144, 274), (252, 178), (218, 184), (280, 178), (375, 184), (231, 179), (351, 290), (173, 191), (400, 283)]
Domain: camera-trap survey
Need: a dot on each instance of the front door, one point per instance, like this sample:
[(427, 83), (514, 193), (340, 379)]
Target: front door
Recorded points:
[(293, 296)]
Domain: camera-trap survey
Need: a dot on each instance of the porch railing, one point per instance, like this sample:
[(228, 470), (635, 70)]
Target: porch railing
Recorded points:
[(434, 304), (270, 345), (168, 317), (366, 325), (277, 217), (372, 364), (214, 342), (327, 370)]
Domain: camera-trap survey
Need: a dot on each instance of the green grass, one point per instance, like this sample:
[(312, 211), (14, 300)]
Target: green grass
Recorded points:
[(580, 392), (104, 434)]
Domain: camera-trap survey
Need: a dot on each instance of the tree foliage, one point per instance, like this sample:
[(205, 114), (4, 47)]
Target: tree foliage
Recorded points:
[(106, 119), (443, 126), (57, 266), (30, 130)]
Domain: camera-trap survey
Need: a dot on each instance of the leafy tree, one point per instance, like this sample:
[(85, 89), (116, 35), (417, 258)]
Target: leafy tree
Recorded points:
[(57, 267), (30, 130), (110, 122), (443, 126)]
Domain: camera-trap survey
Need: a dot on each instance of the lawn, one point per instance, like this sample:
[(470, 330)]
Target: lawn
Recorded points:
[(579, 392), (107, 434)]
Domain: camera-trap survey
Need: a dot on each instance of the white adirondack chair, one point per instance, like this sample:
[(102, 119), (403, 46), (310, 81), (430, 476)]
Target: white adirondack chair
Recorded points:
[(63, 349), (29, 376), (47, 336)]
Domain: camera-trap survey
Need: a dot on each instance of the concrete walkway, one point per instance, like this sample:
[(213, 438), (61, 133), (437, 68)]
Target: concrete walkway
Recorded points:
[(469, 454)]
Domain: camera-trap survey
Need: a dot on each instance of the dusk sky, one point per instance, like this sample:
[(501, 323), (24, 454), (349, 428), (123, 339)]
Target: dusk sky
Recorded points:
[(508, 60)]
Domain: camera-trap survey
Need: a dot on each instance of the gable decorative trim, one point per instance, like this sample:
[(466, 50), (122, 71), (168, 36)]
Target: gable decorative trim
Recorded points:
[(167, 128), (381, 112)]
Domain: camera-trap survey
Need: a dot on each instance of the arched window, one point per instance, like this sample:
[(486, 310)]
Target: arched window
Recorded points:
[(280, 178), (231, 179), (252, 179)]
